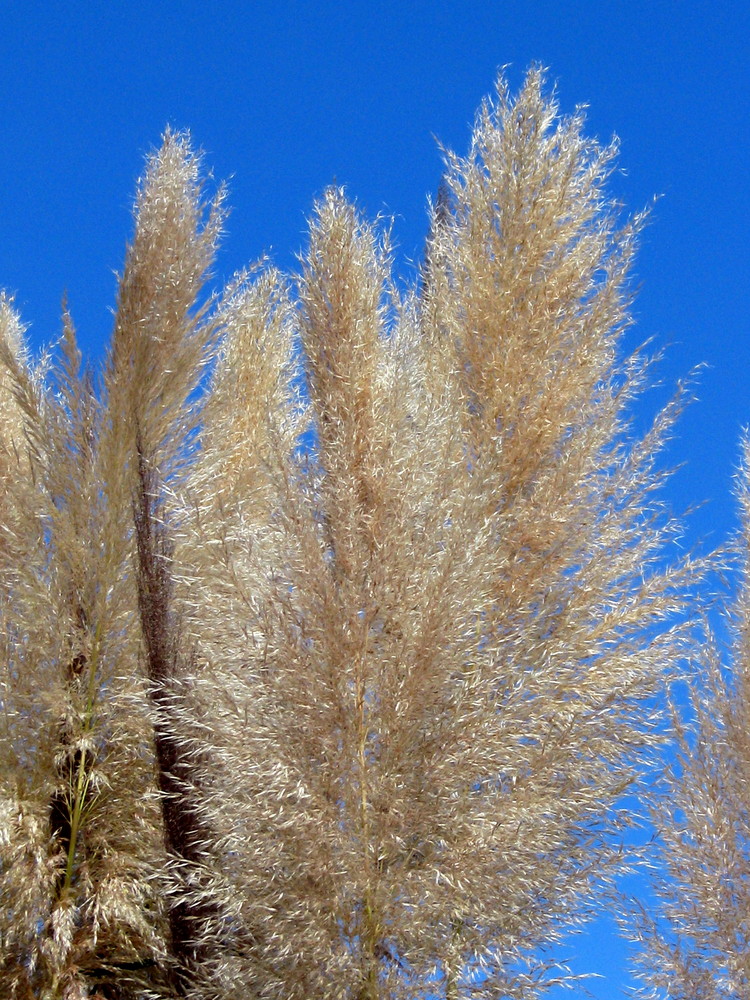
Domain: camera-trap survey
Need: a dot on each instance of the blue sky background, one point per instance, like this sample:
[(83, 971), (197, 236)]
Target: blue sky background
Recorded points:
[(286, 97)]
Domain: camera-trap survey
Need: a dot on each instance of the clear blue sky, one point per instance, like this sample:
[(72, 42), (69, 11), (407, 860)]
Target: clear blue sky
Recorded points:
[(286, 97)]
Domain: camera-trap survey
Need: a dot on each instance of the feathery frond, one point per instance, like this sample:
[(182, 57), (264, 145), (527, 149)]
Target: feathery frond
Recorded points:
[(336, 618)]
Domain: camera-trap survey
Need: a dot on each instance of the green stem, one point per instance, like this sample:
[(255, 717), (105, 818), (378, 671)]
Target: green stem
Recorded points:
[(453, 964), (370, 928), (82, 778), (82, 783)]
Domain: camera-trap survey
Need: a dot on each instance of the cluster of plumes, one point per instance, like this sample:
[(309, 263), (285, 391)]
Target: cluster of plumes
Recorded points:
[(334, 617), (698, 946)]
